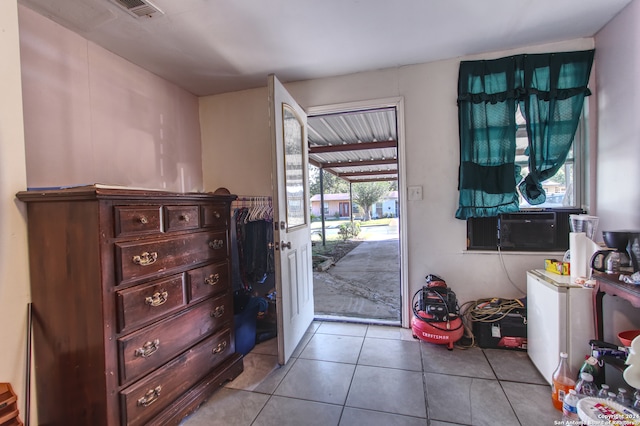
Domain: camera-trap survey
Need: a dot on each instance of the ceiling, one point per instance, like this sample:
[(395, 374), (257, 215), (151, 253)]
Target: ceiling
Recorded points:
[(214, 46)]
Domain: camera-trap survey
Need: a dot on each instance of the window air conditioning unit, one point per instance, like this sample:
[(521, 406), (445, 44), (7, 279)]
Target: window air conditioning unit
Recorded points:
[(529, 231), (539, 230)]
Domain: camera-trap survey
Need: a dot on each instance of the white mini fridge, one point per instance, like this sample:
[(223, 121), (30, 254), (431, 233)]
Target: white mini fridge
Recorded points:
[(559, 319)]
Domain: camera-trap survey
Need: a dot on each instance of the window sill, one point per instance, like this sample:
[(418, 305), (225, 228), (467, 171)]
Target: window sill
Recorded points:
[(546, 254)]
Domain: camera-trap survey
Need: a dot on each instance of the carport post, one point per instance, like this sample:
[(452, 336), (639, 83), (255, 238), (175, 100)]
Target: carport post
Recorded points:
[(324, 240), (351, 202)]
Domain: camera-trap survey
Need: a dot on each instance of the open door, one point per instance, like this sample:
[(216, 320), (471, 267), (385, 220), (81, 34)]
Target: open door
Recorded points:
[(292, 236)]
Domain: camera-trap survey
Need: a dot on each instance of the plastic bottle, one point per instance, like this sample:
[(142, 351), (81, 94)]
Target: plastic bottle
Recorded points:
[(604, 391), (585, 385), (622, 397), (590, 366), (562, 381), (569, 407)]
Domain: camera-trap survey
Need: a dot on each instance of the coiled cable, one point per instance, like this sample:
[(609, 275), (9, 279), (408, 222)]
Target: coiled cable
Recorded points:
[(485, 310)]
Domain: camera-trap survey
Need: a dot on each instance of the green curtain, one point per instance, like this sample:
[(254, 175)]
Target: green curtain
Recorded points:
[(550, 89), (487, 92), (556, 85)]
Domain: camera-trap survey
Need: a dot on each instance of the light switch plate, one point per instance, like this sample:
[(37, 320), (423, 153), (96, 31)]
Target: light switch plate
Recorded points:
[(415, 193)]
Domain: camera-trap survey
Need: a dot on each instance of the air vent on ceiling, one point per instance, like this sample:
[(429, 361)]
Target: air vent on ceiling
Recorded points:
[(139, 8)]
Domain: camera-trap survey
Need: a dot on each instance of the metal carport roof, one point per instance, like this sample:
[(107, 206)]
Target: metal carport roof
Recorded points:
[(357, 146)]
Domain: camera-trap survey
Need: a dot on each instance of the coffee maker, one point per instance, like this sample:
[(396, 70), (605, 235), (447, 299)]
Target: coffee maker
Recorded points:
[(625, 249)]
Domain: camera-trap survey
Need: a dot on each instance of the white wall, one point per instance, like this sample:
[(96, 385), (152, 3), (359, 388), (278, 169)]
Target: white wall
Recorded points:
[(618, 153), (236, 143), (91, 116), (618, 159), (436, 241), (14, 273)]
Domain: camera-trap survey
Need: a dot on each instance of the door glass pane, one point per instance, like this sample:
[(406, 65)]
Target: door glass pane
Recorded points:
[(294, 173)]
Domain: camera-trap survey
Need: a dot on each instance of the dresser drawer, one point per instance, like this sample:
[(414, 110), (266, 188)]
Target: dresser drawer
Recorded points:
[(208, 280), (137, 220), (144, 303), (152, 346), (147, 397), (141, 259), (179, 218), (215, 215)]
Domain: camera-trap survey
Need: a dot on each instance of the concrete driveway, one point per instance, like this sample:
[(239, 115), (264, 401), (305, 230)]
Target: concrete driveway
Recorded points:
[(364, 284)]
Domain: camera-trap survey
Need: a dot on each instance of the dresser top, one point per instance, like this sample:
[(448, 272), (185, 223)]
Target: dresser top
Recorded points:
[(99, 191)]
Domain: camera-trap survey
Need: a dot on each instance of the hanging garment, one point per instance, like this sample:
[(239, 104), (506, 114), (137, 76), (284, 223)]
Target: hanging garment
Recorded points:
[(236, 277), (255, 259)]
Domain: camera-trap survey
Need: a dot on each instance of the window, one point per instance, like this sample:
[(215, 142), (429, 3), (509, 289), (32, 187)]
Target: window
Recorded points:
[(518, 117), (522, 120), (326, 209), (564, 197), (566, 187)]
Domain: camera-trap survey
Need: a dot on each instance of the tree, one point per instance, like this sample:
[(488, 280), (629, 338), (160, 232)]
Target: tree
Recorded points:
[(366, 194), (332, 184)]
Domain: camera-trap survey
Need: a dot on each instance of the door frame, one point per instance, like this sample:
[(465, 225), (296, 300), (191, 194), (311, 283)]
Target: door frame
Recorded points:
[(398, 104)]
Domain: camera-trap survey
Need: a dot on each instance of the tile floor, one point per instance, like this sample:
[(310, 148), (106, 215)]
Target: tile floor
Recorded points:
[(358, 374)]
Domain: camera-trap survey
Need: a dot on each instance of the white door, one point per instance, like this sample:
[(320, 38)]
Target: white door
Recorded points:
[(292, 236)]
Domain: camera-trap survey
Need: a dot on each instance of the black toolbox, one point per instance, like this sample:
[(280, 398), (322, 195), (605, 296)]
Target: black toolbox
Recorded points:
[(502, 331)]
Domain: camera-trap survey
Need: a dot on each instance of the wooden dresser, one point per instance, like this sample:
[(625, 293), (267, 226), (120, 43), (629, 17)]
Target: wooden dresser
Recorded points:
[(132, 303)]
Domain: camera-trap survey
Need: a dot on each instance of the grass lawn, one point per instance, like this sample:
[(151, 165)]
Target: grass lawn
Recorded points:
[(335, 246), (336, 223)]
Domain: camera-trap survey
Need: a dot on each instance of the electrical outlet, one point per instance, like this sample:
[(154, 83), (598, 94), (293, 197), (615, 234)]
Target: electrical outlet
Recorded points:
[(415, 193)]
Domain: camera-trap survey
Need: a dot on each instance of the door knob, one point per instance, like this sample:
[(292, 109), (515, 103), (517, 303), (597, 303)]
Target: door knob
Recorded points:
[(284, 245)]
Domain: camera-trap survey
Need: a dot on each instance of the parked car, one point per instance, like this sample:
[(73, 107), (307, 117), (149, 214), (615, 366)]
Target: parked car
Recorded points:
[(553, 200)]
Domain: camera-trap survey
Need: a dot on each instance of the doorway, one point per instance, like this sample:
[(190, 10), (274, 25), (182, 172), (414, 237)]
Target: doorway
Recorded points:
[(360, 273)]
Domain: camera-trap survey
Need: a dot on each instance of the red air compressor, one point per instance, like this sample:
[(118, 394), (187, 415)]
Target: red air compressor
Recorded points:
[(436, 314)]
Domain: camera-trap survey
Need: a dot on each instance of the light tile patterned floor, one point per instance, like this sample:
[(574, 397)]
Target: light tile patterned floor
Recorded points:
[(346, 374)]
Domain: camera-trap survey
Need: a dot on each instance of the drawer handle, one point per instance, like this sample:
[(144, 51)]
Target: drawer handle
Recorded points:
[(148, 349), (218, 312), (221, 347), (212, 279), (143, 220), (216, 244), (216, 215), (150, 397), (157, 299), (184, 217), (145, 258)]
